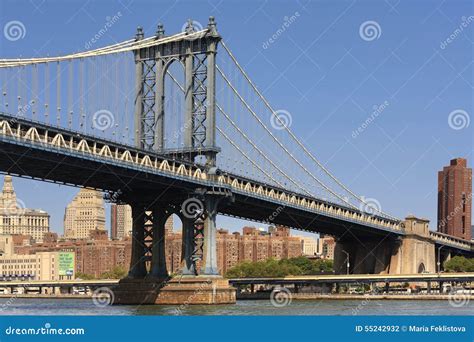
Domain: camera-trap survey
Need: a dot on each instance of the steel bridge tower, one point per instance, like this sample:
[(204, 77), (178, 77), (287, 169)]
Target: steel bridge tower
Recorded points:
[(148, 279), (198, 57)]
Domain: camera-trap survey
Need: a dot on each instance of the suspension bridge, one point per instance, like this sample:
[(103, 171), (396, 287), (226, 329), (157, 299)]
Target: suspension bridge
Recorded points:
[(170, 126)]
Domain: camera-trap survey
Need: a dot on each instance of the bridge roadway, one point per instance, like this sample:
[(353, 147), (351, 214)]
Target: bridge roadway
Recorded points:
[(60, 283), (39, 151), (290, 280), (357, 278)]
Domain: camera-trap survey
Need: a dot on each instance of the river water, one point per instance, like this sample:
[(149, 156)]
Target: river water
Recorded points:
[(20, 306)]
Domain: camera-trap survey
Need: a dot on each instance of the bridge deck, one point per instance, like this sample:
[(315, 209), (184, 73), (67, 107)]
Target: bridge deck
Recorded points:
[(356, 278)]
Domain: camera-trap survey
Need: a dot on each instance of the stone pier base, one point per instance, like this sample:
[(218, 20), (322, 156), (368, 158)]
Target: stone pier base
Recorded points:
[(137, 291), (177, 291)]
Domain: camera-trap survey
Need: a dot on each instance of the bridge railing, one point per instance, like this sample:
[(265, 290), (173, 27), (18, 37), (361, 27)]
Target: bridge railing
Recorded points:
[(451, 240)]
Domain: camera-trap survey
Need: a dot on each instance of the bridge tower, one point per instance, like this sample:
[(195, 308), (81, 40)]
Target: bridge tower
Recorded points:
[(148, 281), (197, 54)]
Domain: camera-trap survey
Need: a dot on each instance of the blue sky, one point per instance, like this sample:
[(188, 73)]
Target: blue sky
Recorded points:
[(320, 69)]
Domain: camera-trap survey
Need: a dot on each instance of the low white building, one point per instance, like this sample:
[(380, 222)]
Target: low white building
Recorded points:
[(57, 265)]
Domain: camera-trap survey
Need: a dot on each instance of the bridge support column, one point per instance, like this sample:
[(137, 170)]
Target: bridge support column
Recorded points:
[(210, 232), (158, 261), (137, 264), (208, 287), (188, 245), (415, 252)]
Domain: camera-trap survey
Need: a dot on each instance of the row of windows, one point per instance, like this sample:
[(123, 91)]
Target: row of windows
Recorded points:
[(15, 261), (25, 221)]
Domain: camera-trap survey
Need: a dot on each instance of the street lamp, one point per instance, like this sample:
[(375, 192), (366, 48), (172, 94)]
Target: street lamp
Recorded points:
[(347, 261), (439, 258)]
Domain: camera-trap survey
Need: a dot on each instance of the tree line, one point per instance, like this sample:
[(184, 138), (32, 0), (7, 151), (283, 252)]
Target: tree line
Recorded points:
[(280, 268)]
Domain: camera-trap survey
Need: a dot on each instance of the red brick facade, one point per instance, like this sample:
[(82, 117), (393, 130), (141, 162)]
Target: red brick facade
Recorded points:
[(455, 199), (99, 255)]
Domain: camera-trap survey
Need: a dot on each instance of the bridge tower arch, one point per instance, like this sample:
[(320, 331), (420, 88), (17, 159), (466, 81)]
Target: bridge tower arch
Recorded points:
[(197, 51)]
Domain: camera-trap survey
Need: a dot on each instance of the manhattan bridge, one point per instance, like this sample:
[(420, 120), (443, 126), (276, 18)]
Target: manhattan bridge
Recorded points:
[(173, 124)]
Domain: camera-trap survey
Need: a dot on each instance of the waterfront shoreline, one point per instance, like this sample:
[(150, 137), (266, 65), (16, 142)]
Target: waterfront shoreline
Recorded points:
[(294, 296)]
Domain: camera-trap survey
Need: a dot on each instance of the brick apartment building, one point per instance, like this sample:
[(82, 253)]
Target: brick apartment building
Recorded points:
[(98, 254), (455, 199)]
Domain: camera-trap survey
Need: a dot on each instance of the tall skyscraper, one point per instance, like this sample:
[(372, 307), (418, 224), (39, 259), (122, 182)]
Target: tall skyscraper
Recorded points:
[(120, 221), (455, 199), (84, 214), (15, 219)]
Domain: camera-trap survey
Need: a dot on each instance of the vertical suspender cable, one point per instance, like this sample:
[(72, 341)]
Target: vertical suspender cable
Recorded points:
[(58, 94), (46, 92), (70, 94), (34, 100), (81, 94)]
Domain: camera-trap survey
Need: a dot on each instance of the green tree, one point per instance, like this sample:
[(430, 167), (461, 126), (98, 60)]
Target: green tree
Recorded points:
[(459, 264), (279, 268), (84, 276), (118, 272)]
